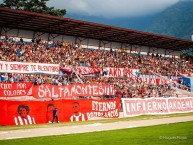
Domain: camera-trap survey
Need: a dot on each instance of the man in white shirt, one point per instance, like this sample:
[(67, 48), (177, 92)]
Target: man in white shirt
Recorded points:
[(77, 116)]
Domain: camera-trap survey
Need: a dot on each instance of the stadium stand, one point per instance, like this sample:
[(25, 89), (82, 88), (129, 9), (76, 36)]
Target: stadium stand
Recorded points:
[(70, 54), (158, 70), (51, 61)]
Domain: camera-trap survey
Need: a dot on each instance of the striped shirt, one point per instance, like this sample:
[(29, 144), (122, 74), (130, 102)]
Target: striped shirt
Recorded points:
[(24, 121), (79, 117)]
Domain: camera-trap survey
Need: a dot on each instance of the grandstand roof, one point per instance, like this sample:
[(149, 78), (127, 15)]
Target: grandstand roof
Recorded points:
[(66, 26)]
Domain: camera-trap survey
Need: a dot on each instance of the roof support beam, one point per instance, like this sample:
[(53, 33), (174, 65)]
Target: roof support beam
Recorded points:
[(96, 32), (20, 21), (69, 28), (180, 46)]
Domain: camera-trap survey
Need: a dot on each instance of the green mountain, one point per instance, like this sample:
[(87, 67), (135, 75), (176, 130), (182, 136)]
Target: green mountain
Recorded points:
[(176, 21)]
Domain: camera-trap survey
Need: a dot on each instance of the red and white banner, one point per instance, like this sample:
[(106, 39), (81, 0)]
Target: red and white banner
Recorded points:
[(120, 72), (36, 112), (22, 67), (87, 70), (68, 69), (82, 70), (155, 81), (71, 91), (15, 89), (187, 74), (135, 107)]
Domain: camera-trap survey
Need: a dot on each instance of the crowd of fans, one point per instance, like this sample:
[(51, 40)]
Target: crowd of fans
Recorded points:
[(72, 54)]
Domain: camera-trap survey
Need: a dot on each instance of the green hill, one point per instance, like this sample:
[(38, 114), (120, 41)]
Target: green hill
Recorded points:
[(176, 21)]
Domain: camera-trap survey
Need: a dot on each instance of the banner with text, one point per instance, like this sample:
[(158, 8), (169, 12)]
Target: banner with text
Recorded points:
[(70, 91), (120, 72), (155, 81), (22, 67), (81, 70), (15, 89), (134, 107), (36, 112)]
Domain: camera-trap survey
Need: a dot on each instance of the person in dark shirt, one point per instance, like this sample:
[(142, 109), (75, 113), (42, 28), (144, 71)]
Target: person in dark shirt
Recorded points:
[(49, 112), (55, 115)]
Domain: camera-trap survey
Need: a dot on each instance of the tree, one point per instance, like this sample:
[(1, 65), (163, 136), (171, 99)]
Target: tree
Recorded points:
[(187, 54), (38, 6)]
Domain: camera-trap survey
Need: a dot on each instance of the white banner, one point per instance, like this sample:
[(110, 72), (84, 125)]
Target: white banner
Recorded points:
[(120, 72), (22, 67), (135, 107)]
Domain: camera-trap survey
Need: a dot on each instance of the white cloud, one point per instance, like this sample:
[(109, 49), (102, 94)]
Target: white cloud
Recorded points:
[(112, 8)]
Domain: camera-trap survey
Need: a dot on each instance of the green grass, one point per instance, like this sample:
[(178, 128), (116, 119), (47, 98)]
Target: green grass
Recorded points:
[(142, 117), (174, 134)]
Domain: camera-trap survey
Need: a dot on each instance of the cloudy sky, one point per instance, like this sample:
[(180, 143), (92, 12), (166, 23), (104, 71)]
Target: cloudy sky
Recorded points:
[(111, 8)]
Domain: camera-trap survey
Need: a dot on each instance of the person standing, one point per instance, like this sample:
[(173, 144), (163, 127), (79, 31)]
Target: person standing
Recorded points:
[(55, 115), (49, 112)]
